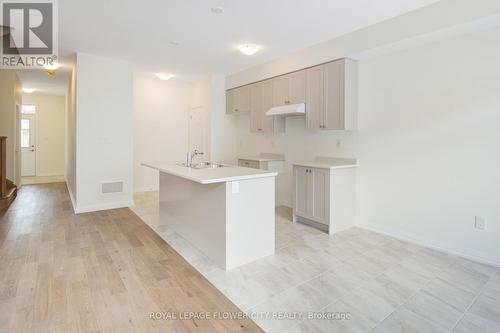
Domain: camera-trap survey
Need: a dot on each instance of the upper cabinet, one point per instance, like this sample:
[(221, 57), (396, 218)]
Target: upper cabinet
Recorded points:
[(289, 88), (331, 96), (238, 100), (329, 91), (261, 100)]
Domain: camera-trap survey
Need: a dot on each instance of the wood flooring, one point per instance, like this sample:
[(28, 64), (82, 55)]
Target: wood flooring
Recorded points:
[(97, 272)]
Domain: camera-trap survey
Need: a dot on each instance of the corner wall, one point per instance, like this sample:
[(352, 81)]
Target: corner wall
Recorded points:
[(104, 132)]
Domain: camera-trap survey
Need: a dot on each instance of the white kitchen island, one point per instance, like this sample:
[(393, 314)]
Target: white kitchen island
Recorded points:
[(227, 212)]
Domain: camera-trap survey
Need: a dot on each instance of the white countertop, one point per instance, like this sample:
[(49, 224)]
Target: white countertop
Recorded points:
[(260, 158), (264, 157), (329, 163), (210, 175)]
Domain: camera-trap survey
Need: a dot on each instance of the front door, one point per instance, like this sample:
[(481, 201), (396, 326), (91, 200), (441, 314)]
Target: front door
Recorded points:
[(28, 153)]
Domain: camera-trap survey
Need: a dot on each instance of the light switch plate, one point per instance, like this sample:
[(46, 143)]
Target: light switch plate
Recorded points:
[(480, 223)]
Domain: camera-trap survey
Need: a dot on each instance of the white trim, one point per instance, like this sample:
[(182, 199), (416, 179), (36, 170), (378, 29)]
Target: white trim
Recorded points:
[(283, 202), (51, 174), (106, 206), (436, 245), (73, 201), (146, 189)]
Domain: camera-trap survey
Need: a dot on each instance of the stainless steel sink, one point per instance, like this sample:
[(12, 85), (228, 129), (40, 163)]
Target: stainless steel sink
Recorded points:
[(207, 165), (203, 165)]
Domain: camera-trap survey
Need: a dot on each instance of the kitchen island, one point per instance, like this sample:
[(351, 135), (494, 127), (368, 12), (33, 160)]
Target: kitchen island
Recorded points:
[(225, 212)]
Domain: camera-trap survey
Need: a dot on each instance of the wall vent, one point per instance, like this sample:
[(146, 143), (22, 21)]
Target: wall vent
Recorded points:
[(114, 187)]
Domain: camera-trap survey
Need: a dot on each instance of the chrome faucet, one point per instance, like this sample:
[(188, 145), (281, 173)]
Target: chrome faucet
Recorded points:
[(190, 156)]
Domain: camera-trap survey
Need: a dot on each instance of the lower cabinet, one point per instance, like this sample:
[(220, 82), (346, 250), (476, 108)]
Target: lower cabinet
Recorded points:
[(312, 188), (324, 198)]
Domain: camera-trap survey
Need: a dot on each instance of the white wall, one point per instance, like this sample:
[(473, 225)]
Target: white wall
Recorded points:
[(71, 134), (50, 133), (10, 96), (160, 126), (427, 144), (224, 129), (104, 131)]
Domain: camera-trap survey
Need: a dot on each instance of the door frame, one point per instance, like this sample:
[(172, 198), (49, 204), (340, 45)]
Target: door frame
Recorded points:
[(35, 139)]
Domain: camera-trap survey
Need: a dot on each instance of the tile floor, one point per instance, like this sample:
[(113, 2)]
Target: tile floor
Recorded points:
[(354, 281)]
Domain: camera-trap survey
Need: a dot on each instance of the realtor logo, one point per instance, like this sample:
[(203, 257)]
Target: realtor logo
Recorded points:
[(29, 33)]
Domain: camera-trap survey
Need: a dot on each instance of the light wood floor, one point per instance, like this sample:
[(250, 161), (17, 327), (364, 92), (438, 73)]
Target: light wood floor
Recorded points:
[(95, 272)]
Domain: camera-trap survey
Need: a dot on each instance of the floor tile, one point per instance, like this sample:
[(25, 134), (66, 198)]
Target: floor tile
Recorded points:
[(433, 309), (471, 323), (371, 305), (459, 298), (487, 308), (492, 288), (403, 320)]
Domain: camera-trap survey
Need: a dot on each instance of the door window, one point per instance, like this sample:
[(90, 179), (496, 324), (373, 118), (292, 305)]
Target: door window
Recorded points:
[(25, 133)]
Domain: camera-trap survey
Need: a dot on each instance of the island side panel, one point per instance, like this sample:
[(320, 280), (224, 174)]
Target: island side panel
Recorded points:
[(197, 212), (250, 215)]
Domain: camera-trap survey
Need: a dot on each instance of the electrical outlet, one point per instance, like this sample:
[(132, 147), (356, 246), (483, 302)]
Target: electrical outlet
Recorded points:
[(480, 223)]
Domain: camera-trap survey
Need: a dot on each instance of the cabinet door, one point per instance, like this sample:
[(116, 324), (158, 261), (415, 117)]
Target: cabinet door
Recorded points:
[(230, 106), (243, 99), (315, 97), (297, 87), (334, 95), (320, 192), (256, 107), (281, 90), (301, 191), (267, 122)]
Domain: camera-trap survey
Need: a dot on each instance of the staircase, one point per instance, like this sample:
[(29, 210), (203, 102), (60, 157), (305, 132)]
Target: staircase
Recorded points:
[(8, 190)]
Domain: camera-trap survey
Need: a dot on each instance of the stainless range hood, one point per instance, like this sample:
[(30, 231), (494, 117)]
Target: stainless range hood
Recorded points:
[(288, 110)]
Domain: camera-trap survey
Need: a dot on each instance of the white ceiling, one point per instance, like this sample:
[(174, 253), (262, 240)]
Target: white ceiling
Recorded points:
[(143, 31)]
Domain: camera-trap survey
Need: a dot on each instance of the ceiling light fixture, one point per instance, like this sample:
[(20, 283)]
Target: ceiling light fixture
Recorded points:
[(249, 49), (217, 10), (28, 90), (164, 76)]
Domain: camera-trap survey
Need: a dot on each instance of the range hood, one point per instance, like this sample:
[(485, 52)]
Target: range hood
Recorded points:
[(288, 110)]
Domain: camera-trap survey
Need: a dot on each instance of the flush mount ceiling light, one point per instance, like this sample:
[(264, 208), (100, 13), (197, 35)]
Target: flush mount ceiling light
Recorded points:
[(28, 90), (164, 76), (217, 10), (248, 49)]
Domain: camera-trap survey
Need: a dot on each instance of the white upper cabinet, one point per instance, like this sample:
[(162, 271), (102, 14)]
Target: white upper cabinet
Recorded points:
[(330, 92), (261, 100), (289, 88), (238, 100), (331, 96), (315, 97)]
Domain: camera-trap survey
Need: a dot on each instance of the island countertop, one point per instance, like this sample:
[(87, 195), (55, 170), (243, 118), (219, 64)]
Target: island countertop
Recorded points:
[(209, 175)]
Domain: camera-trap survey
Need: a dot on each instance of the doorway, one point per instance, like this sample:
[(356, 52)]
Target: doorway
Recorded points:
[(28, 140)]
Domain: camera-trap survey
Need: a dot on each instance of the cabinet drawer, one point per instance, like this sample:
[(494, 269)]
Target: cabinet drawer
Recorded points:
[(249, 164)]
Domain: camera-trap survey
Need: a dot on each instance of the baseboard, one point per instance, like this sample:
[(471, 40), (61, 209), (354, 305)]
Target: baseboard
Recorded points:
[(145, 189), (285, 203), (73, 202), (436, 245), (105, 206), (51, 175)]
